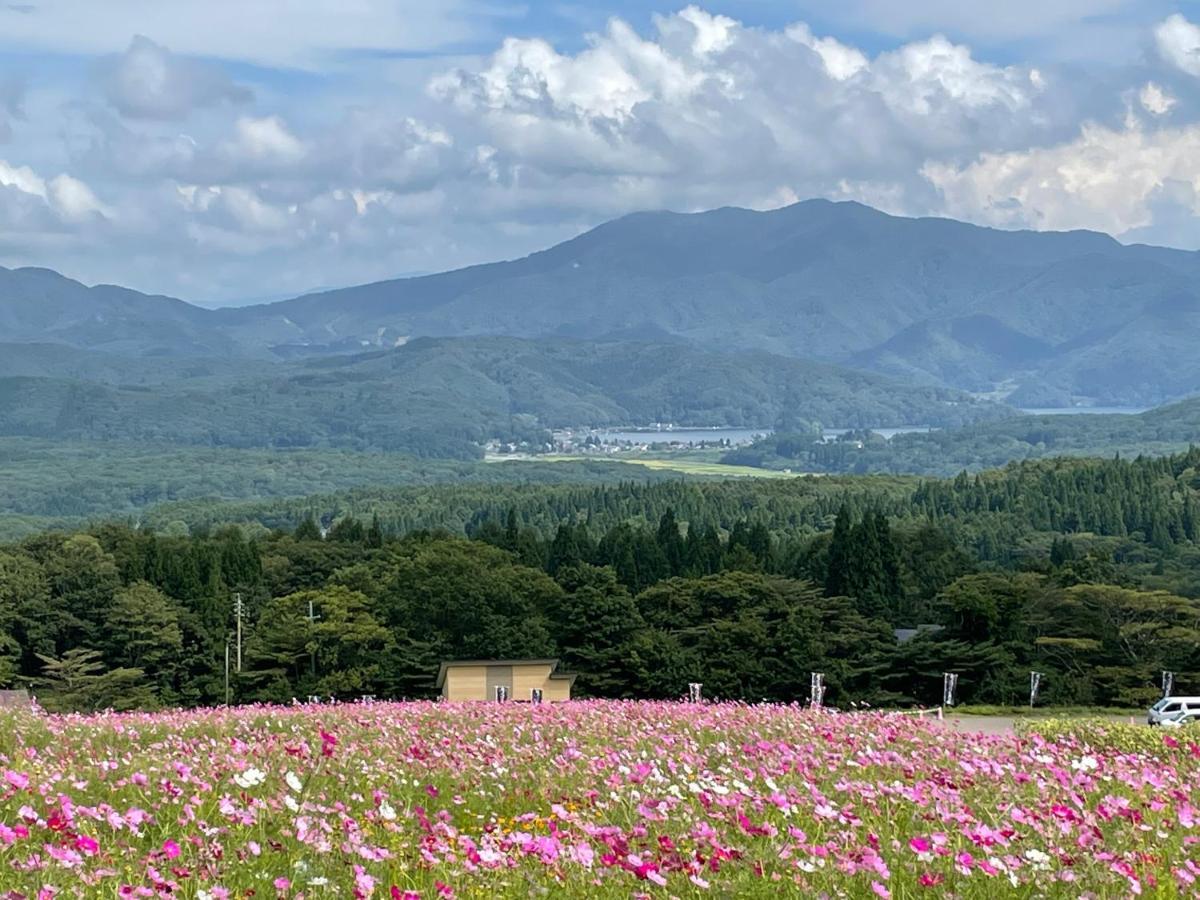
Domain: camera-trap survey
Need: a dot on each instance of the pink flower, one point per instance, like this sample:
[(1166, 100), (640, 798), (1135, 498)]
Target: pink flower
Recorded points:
[(398, 894), (86, 844), (282, 884), (328, 742), (170, 849), (364, 884), (919, 845), (880, 890), (19, 780)]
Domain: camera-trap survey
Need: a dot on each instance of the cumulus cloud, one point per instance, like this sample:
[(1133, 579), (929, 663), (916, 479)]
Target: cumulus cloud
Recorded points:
[(1155, 100), (265, 140), (1107, 179), (503, 153), (148, 81), (707, 95), (840, 60), (1178, 41), (58, 204)]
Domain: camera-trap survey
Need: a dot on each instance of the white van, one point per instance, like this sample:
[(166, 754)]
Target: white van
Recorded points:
[(1171, 707)]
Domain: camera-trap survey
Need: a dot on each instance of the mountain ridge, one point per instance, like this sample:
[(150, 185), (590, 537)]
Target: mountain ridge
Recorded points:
[(837, 282)]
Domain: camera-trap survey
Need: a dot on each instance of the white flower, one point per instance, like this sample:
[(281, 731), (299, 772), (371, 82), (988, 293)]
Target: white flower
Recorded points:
[(319, 881), (290, 802), (294, 782), (250, 778), (1037, 858), (386, 811), (1085, 764)]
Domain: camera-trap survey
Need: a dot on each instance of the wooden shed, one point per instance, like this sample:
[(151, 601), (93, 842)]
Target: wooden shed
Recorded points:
[(504, 679)]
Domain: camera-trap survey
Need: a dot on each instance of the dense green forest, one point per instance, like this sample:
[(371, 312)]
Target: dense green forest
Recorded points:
[(978, 446), (66, 484), (1085, 570)]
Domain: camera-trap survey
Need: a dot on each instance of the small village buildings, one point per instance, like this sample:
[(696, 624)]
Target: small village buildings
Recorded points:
[(528, 680)]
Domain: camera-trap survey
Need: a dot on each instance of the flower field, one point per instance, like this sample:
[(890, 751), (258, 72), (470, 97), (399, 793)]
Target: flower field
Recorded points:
[(583, 800)]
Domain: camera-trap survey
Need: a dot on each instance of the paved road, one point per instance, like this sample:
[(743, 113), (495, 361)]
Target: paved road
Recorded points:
[(1002, 724)]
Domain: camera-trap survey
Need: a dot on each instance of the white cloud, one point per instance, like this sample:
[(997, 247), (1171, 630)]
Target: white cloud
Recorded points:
[(265, 140), (841, 61), (364, 169), (73, 199), (23, 179), (1106, 179), (709, 96), (60, 204), (148, 81), (923, 75), (1178, 42), (1155, 100)]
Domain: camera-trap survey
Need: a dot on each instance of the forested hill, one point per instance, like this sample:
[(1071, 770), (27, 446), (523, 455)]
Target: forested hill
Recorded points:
[(1082, 570), (1168, 429), (443, 397), (1151, 500)]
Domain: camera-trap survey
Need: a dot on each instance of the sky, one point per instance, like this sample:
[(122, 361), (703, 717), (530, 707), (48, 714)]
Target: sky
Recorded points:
[(227, 152)]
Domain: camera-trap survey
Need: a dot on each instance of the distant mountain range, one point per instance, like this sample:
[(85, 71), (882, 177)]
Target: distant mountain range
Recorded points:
[(1041, 318)]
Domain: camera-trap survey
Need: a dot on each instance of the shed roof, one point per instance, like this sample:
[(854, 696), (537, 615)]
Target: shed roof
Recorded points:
[(461, 663)]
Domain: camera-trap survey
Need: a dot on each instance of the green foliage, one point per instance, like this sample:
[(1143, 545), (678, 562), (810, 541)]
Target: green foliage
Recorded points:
[(1107, 736), (443, 398), (981, 445), (79, 681), (640, 588)]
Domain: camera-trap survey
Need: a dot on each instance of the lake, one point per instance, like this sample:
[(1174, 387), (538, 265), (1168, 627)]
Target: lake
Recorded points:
[(746, 435), (733, 435), (685, 435)]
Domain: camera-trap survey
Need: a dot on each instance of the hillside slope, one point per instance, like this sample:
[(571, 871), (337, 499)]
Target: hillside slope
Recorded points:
[(443, 396)]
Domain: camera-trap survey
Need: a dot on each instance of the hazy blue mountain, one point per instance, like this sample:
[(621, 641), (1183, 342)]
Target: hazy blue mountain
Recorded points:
[(1051, 316), (1063, 314), (41, 306)]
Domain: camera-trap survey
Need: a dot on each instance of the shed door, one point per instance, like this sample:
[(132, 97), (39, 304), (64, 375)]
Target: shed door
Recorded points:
[(499, 676)]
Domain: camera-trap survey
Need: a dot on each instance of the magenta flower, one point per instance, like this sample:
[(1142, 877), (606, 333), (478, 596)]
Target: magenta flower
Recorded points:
[(170, 849)]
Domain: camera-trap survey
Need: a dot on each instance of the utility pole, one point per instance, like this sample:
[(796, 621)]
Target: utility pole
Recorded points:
[(227, 670), (312, 620), (237, 611)]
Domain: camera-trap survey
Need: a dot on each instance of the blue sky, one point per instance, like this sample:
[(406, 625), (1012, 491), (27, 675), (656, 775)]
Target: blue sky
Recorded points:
[(221, 150)]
